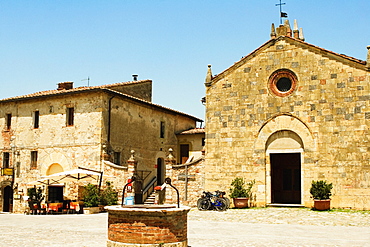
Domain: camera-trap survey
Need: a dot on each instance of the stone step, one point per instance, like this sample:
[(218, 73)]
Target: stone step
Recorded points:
[(285, 205), (150, 199)]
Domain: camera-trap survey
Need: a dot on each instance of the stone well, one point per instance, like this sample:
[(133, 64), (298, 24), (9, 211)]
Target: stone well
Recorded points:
[(147, 225)]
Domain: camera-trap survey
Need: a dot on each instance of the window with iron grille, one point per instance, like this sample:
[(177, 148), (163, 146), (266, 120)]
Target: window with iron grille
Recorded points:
[(70, 116), (33, 159), (162, 130), (36, 119), (6, 160), (117, 158), (8, 120)]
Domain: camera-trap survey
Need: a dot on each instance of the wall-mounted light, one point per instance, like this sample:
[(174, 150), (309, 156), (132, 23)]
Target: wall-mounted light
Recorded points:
[(203, 100)]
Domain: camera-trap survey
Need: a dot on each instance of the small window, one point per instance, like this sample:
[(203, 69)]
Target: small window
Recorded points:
[(283, 82), (70, 116), (162, 130), (33, 159), (36, 119), (6, 160), (184, 153), (8, 120), (117, 158)]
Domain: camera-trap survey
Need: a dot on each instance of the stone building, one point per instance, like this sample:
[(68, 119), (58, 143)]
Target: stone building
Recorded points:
[(91, 127), (288, 113)]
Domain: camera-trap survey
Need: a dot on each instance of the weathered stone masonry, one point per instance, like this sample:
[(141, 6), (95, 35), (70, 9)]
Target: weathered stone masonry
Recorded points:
[(325, 118)]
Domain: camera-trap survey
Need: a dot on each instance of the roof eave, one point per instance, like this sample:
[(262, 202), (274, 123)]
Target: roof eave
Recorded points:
[(330, 54)]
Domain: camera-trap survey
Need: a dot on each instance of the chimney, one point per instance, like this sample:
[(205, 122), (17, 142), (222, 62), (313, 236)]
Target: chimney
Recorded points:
[(281, 31), (295, 30), (368, 57), (301, 36), (289, 30), (65, 85), (208, 76), (273, 32), (134, 77)]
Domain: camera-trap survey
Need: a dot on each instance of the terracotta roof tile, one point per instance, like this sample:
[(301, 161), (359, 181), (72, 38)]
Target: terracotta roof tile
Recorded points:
[(73, 90), (193, 131), (272, 42), (107, 88)]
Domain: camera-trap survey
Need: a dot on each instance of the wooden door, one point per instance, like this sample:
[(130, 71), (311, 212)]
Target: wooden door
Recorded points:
[(286, 178)]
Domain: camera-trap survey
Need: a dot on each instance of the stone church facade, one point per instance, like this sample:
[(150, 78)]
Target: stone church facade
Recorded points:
[(286, 114), (91, 127)]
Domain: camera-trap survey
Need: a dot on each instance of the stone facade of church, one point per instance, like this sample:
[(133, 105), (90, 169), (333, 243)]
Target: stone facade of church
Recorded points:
[(286, 114)]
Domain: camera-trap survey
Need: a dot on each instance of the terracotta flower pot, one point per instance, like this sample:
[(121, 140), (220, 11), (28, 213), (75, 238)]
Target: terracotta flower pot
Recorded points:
[(321, 205), (240, 202)]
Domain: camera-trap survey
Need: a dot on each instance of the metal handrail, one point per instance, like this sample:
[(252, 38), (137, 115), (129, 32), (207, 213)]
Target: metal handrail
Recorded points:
[(149, 188)]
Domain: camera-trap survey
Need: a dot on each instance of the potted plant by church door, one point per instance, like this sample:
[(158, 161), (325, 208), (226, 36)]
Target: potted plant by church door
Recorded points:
[(240, 193), (321, 192)]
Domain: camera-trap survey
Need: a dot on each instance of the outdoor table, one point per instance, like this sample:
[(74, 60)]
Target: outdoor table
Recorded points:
[(76, 206), (55, 206)]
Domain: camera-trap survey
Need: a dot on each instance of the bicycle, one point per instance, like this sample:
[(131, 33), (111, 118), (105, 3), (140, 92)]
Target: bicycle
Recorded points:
[(222, 194), (208, 201)]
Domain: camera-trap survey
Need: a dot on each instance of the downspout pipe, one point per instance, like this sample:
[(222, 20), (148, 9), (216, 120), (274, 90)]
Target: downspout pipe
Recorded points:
[(109, 117)]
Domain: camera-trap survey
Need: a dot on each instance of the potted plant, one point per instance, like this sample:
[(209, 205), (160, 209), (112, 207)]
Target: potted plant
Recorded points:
[(35, 196), (240, 193), (108, 196), (91, 199), (321, 192)]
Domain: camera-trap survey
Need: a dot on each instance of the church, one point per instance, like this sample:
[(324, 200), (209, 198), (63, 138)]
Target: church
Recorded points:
[(286, 114)]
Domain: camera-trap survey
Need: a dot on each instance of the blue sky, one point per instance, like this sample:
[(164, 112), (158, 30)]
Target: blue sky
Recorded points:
[(168, 41)]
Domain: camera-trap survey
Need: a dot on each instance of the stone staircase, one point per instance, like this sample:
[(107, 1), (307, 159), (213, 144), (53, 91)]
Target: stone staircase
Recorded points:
[(150, 199)]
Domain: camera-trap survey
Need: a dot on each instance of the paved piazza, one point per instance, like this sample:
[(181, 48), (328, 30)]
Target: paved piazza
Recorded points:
[(247, 227)]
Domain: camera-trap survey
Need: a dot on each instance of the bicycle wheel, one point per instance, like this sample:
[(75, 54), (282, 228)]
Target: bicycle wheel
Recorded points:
[(220, 204), (203, 204), (227, 200)]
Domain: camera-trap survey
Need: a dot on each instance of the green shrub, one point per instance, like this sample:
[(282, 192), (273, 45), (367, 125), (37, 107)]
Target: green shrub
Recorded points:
[(321, 190), (238, 188), (91, 196), (108, 196)]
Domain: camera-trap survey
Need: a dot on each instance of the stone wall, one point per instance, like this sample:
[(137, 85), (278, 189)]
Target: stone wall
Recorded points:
[(104, 123), (141, 226), (190, 193), (329, 110)]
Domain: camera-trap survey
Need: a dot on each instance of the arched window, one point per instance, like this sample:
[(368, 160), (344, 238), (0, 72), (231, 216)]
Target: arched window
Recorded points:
[(54, 168)]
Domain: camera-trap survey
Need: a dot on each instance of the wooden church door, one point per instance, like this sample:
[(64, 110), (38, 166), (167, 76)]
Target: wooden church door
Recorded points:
[(286, 178)]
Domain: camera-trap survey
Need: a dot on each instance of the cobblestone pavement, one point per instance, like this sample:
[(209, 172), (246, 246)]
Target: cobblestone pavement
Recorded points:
[(297, 216), (247, 227), (278, 227)]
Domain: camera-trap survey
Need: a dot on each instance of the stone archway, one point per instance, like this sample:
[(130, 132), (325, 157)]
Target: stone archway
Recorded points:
[(7, 199), (54, 168), (54, 192), (284, 149), (284, 140)]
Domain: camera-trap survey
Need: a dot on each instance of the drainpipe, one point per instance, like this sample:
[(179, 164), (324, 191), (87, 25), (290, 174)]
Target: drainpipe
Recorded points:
[(109, 117)]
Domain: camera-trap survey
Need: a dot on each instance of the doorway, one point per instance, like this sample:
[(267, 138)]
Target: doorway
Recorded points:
[(160, 171), (55, 194), (286, 178), (8, 199)]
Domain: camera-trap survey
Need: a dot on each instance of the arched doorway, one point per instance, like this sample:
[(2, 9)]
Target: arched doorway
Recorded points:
[(160, 171), (284, 149), (8, 199), (55, 192)]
